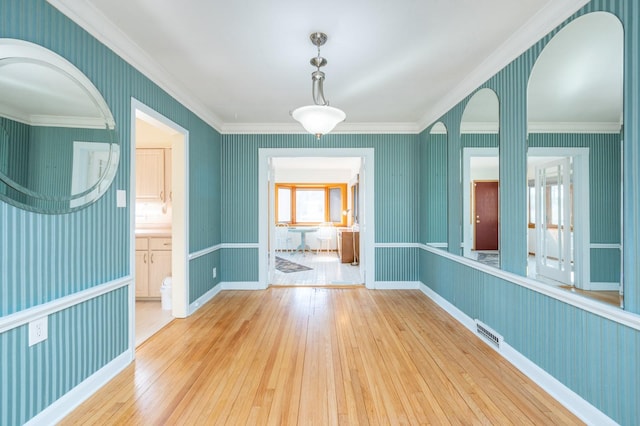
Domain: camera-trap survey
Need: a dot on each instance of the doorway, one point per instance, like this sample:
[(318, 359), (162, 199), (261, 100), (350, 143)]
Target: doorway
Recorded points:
[(315, 221), (266, 202), (558, 231), (480, 203), (159, 212), (485, 208)]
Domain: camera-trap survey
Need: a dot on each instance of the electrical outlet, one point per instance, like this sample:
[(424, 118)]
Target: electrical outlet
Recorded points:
[(215, 272), (38, 330)]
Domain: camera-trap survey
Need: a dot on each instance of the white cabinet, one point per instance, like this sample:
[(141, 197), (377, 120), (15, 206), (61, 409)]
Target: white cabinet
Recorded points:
[(150, 174), (153, 265)]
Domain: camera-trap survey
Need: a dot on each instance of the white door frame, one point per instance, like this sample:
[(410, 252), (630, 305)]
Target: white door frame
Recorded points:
[(467, 220), (581, 230), (367, 215), (180, 212), (564, 235)]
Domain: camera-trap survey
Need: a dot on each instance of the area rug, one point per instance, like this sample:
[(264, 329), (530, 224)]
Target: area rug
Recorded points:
[(286, 266), (491, 259)]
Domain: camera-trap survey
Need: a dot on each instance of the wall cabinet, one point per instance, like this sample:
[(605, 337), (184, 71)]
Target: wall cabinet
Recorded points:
[(153, 265), (348, 245), (153, 175)]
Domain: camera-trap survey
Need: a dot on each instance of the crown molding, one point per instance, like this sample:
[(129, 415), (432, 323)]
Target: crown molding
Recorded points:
[(530, 33), (296, 128), (574, 127), (96, 24), (479, 127)]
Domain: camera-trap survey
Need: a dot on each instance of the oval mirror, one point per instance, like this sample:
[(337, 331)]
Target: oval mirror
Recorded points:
[(480, 177), (58, 146), (574, 167)]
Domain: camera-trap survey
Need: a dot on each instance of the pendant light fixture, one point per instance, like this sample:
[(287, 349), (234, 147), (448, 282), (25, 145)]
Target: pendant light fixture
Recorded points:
[(320, 118)]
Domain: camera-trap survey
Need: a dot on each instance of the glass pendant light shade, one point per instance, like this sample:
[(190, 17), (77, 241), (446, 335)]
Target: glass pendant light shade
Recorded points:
[(318, 119)]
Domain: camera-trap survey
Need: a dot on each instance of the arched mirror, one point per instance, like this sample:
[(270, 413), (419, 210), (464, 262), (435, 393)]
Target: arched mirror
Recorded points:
[(480, 178), (58, 145), (435, 157), (574, 165)]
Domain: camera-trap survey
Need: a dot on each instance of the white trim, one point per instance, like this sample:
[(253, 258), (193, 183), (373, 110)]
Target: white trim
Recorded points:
[(565, 396), (239, 245), (342, 128), (17, 319), (205, 298), (468, 242), (398, 245), (540, 24), (605, 246), (595, 307), (76, 396), (367, 201), (221, 246), (581, 217), (204, 252), (397, 285), (577, 127), (479, 128), (242, 285), (438, 245), (95, 23)]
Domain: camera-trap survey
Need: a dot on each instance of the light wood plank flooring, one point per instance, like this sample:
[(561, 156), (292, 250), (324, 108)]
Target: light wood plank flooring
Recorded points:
[(319, 356), (150, 318)]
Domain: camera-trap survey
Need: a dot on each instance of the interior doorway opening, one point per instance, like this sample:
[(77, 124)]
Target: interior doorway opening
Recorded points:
[(315, 221), (363, 201), (159, 203)]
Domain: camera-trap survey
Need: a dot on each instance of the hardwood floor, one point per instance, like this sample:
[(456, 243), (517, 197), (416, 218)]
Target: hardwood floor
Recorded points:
[(319, 356)]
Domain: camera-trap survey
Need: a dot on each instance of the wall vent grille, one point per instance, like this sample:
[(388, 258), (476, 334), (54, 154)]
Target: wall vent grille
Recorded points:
[(490, 335)]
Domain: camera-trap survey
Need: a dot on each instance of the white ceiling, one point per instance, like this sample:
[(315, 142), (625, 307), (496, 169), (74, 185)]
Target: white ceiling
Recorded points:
[(392, 66)]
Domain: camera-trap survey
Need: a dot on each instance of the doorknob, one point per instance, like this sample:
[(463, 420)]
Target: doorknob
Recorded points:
[(477, 220)]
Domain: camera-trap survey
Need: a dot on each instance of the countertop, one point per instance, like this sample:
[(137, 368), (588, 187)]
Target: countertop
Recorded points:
[(153, 232)]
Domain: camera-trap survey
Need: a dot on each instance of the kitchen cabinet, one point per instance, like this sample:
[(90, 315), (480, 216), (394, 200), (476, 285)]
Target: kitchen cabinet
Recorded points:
[(153, 265), (150, 185), (348, 245)]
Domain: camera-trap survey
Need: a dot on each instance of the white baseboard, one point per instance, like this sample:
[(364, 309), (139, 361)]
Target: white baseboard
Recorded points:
[(242, 285), (565, 396), (205, 298), (397, 285), (76, 396)]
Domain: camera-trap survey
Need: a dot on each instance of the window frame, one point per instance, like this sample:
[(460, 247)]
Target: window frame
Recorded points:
[(327, 187)]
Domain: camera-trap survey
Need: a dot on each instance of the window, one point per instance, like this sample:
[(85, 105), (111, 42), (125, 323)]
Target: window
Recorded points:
[(311, 203)]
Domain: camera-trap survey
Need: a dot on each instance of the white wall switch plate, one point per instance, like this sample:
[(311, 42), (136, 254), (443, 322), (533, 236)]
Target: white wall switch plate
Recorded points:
[(121, 198), (215, 272), (38, 330)]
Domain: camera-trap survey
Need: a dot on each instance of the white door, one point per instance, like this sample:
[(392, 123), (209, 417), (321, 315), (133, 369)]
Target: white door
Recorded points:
[(553, 228)]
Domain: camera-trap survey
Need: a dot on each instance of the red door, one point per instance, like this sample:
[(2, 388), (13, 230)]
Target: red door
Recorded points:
[(485, 195)]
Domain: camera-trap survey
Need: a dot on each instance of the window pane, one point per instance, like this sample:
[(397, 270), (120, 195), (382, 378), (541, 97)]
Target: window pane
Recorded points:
[(310, 205), (532, 204), (284, 205), (335, 205)]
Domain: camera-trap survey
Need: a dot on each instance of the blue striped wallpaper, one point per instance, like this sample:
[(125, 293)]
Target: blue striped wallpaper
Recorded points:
[(433, 181), (82, 339), (46, 257), (595, 357), (396, 187)]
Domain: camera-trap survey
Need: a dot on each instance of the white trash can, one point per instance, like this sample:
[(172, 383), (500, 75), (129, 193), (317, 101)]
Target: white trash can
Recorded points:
[(165, 294)]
